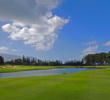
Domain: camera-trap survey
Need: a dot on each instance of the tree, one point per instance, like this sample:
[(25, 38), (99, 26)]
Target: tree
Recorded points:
[(89, 59), (97, 59), (1, 60), (108, 58), (18, 61)]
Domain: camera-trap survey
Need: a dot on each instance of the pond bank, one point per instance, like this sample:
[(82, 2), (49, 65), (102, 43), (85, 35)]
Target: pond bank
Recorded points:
[(45, 72), (17, 68)]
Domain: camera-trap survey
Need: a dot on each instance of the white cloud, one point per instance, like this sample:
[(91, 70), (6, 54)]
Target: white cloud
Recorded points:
[(9, 28), (3, 49), (90, 43), (90, 50), (32, 21), (107, 44)]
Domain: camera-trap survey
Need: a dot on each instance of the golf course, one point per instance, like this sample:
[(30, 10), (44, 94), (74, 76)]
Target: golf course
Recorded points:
[(16, 68), (54, 49), (87, 85)]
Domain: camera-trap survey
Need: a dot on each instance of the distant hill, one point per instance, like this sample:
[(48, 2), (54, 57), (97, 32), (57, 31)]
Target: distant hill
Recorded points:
[(8, 57)]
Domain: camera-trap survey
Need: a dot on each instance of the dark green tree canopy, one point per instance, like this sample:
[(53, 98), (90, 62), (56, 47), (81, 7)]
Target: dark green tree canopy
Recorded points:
[(1, 60), (97, 59)]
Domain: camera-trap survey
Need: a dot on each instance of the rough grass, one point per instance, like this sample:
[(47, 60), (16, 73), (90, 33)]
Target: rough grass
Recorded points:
[(87, 85)]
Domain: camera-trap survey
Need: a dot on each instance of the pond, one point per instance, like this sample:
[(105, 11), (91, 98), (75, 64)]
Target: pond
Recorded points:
[(46, 72)]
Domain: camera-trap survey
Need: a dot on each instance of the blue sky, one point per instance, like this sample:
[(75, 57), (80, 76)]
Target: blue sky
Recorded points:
[(81, 27)]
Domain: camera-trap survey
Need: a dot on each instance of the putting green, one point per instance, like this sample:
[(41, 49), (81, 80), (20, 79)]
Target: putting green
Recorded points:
[(87, 85)]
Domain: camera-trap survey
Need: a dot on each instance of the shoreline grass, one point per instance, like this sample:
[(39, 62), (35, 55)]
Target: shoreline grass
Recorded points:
[(16, 68)]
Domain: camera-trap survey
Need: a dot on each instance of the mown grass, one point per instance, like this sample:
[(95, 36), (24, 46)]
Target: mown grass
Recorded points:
[(16, 68), (86, 85)]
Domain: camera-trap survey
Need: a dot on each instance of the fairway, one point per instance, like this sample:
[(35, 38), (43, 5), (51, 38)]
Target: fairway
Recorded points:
[(17, 68), (87, 85)]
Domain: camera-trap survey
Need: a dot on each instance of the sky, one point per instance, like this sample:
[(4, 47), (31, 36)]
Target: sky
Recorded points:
[(54, 29)]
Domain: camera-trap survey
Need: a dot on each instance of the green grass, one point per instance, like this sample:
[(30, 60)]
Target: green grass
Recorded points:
[(25, 68), (87, 85), (81, 66)]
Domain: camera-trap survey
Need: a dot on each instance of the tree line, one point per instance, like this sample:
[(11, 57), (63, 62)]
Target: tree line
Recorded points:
[(38, 62), (97, 59), (89, 60), (33, 61)]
